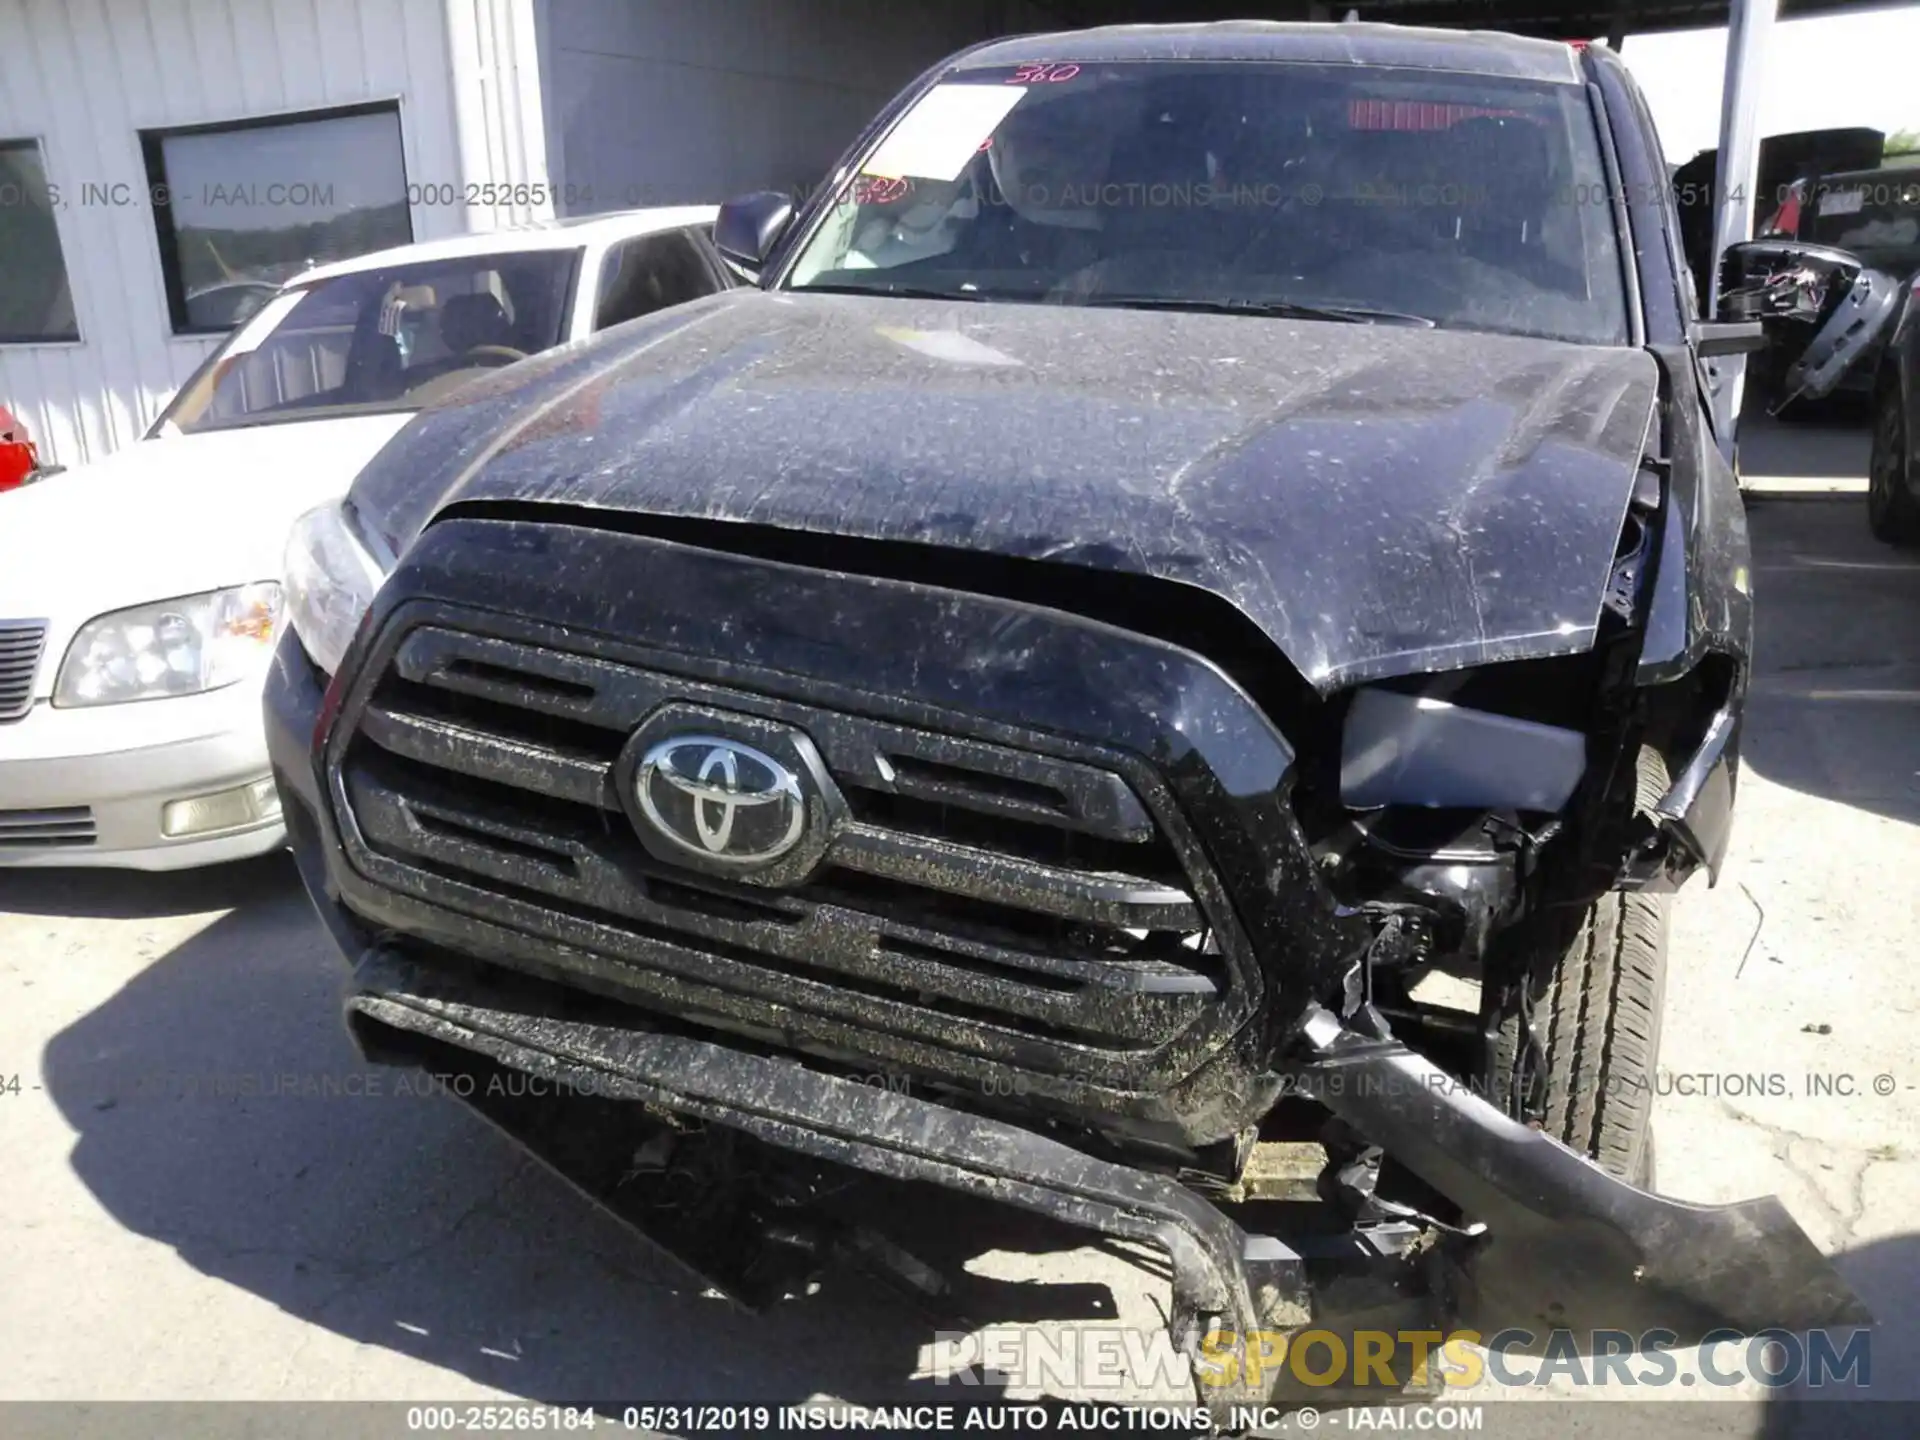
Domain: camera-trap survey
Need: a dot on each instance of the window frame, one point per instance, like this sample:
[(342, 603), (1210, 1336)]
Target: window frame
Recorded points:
[(37, 145), (604, 270), (723, 276), (811, 218), (166, 232), (569, 306)]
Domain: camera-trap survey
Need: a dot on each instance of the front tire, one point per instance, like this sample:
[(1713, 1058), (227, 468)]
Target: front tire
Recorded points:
[(1892, 513), (1597, 979)]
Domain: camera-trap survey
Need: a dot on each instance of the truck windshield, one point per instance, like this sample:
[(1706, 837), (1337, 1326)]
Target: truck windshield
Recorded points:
[(378, 341), (1366, 193)]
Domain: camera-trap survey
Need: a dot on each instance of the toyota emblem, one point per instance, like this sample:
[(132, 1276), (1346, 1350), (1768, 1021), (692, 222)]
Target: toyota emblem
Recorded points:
[(721, 800)]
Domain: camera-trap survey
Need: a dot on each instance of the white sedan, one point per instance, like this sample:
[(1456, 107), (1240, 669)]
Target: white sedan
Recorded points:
[(140, 597)]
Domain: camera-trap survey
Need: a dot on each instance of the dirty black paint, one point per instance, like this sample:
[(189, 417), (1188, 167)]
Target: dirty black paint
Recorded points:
[(828, 653), (1377, 500)]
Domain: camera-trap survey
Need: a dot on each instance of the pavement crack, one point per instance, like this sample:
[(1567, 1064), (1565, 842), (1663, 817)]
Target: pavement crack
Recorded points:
[(1858, 1161), (365, 1273), (355, 1271)]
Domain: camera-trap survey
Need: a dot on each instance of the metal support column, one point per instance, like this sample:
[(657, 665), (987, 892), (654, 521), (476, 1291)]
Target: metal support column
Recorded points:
[(1750, 26), (1617, 29)]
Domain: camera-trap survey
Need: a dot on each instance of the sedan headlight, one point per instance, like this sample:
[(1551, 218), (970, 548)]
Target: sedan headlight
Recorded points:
[(331, 581), (175, 647), (1418, 750)]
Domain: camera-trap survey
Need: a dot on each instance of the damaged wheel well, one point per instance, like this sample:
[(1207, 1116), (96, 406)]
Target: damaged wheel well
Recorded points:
[(1677, 714)]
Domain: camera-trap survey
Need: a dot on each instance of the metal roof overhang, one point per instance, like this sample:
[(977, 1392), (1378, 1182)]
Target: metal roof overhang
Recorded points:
[(1554, 19)]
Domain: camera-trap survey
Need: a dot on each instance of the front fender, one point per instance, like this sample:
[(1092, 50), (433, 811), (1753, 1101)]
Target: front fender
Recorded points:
[(1697, 649)]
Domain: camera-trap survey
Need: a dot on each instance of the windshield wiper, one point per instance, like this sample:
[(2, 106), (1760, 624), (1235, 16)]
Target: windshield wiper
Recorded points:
[(901, 292), (1284, 309)]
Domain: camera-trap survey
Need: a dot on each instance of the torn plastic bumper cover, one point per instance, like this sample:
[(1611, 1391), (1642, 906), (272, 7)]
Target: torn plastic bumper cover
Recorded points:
[(1557, 1243)]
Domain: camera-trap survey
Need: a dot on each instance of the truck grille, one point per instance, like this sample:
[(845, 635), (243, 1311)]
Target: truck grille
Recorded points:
[(1021, 903), (20, 645)]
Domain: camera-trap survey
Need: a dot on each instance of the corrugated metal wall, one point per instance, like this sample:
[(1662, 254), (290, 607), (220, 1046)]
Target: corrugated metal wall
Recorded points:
[(84, 76), (656, 102), (497, 95)]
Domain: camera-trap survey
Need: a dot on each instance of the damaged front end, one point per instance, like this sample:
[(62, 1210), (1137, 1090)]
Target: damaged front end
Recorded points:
[(1137, 928)]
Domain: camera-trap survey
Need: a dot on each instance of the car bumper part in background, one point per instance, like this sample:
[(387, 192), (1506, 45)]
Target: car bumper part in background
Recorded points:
[(153, 785)]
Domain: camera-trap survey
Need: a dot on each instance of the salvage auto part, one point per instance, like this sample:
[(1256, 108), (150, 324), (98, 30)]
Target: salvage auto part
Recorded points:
[(1823, 309)]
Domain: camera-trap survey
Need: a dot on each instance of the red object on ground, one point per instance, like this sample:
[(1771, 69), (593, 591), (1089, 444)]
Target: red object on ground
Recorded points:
[(18, 458)]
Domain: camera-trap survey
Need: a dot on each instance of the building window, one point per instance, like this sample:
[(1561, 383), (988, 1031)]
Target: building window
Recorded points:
[(36, 302), (243, 208)]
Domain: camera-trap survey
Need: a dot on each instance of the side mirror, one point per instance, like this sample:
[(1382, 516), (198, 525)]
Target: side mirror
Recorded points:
[(748, 228), (1782, 279), (1824, 309)]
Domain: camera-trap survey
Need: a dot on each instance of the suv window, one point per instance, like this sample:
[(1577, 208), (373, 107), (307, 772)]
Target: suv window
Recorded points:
[(650, 273), (378, 341), (1476, 201)]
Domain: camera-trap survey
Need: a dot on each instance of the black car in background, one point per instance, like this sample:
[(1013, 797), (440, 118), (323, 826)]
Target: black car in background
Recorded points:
[(1847, 243), (1835, 289), (1196, 534), (1893, 472), (1874, 213), (1784, 167)]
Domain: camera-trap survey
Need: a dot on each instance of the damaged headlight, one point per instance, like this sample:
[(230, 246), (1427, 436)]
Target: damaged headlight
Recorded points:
[(331, 581), (1400, 749)]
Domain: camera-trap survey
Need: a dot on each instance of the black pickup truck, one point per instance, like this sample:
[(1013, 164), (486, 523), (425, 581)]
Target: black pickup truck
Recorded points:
[(1158, 664)]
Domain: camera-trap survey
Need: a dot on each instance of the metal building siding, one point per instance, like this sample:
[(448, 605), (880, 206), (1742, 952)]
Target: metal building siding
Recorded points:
[(654, 102), (85, 76), (498, 98)]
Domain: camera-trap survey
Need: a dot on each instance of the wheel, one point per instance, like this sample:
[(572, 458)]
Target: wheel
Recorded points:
[(1597, 979), (1892, 513)]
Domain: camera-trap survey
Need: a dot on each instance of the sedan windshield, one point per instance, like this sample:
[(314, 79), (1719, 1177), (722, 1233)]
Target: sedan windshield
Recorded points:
[(1368, 194), (379, 341)]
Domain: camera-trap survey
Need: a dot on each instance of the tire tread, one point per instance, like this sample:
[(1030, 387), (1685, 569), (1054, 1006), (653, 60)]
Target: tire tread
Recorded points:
[(1598, 1010)]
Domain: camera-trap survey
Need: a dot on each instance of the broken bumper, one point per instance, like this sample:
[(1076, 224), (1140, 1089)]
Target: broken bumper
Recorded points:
[(1565, 1244), (470, 953), (1558, 1244)]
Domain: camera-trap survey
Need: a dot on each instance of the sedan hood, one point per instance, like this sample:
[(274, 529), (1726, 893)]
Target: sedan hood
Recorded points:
[(170, 517), (1377, 499)]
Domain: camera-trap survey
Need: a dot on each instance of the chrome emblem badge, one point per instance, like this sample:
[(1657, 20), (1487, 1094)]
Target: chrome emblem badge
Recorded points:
[(721, 800)]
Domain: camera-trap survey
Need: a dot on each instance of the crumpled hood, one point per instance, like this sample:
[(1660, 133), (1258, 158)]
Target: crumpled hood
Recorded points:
[(1377, 499)]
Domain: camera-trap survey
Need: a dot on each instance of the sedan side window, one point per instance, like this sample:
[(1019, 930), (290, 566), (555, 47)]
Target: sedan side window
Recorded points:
[(650, 273)]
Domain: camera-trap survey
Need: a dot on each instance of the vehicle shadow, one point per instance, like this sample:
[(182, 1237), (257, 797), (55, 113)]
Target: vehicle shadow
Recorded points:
[(221, 1110), (1830, 441), (140, 895), (1886, 1275), (1834, 709)]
